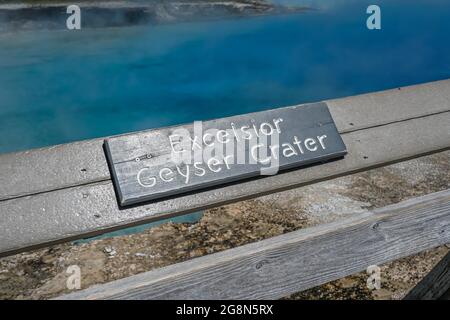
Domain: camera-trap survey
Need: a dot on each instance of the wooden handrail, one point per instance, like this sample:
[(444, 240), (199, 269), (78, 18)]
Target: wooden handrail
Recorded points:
[(282, 265), (65, 192)]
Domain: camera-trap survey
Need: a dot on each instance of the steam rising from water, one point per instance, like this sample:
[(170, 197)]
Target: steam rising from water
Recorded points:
[(111, 14), (61, 86)]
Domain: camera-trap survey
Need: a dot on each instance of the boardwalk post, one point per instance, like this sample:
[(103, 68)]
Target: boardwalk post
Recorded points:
[(435, 285)]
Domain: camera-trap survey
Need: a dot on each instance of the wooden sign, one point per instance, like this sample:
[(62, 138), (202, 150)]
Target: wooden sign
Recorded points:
[(164, 162)]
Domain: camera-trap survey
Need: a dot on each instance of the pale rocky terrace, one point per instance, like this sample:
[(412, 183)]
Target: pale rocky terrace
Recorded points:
[(42, 273)]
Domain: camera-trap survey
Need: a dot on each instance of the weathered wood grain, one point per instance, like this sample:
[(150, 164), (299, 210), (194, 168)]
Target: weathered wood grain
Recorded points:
[(372, 109), (296, 261), (63, 166), (92, 209), (435, 285)]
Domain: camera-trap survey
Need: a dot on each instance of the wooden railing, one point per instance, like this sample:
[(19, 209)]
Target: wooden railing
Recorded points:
[(65, 192), (282, 265)]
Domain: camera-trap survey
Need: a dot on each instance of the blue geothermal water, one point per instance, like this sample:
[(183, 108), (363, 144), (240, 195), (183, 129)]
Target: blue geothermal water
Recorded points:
[(62, 86)]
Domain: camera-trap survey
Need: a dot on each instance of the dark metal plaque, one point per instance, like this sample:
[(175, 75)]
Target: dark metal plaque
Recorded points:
[(164, 162)]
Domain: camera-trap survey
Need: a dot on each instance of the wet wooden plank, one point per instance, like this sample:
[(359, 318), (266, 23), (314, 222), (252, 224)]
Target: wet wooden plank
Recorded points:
[(68, 165), (76, 212), (293, 262)]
